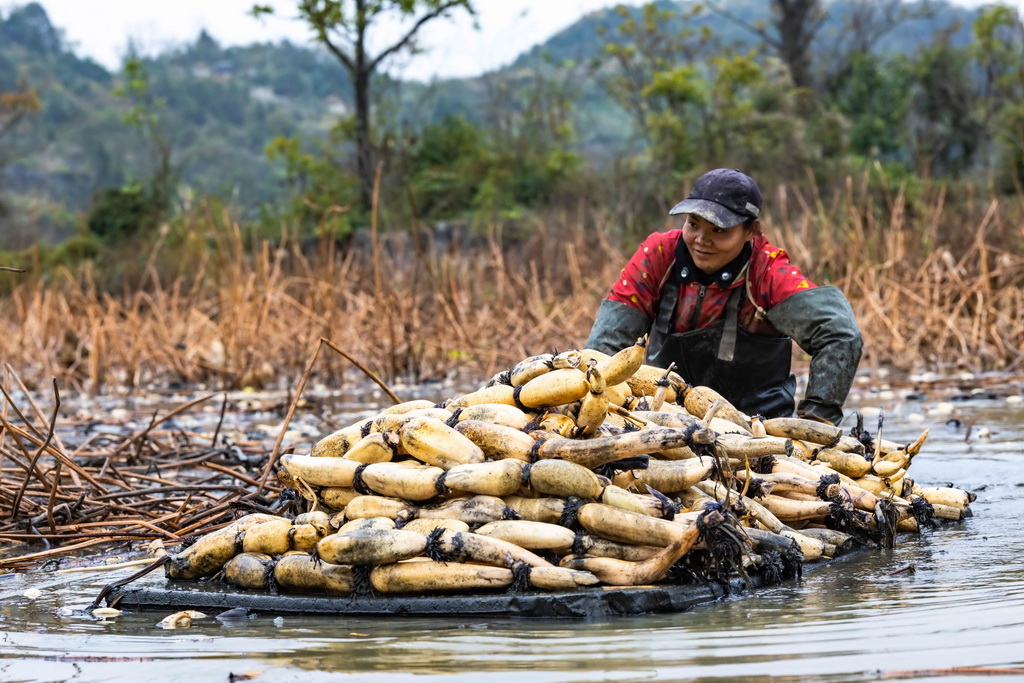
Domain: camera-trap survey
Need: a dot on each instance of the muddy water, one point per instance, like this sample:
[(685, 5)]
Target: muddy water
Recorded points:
[(863, 617)]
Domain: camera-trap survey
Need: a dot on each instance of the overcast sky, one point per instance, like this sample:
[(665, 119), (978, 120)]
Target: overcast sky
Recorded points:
[(101, 30)]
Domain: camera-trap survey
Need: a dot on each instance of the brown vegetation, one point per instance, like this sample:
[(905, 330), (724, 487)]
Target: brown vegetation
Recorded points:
[(935, 286), (156, 484), (935, 280)]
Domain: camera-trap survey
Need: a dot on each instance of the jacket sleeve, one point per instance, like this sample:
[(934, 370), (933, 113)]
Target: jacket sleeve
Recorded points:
[(822, 323), (617, 326)]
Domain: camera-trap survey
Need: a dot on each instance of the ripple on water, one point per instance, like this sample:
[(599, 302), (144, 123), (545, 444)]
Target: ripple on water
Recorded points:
[(964, 606)]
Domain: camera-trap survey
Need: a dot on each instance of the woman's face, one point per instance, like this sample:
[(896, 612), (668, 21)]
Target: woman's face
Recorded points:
[(713, 247)]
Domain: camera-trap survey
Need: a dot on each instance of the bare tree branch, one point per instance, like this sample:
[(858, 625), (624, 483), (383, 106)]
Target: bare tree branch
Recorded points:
[(411, 33), (320, 27), (797, 22)]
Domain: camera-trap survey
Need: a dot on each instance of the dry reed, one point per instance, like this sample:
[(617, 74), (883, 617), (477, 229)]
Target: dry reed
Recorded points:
[(934, 288), (154, 484), (420, 310)]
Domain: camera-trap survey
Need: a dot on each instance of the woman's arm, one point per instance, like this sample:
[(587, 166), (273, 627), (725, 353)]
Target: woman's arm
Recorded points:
[(821, 321), (617, 326), (629, 309)]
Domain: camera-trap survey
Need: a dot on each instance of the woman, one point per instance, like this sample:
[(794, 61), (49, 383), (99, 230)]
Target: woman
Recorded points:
[(723, 304)]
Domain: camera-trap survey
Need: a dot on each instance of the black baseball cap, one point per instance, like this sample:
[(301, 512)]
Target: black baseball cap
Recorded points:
[(724, 196)]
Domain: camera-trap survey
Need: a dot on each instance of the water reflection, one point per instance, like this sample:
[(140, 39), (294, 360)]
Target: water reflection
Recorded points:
[(863, 617)]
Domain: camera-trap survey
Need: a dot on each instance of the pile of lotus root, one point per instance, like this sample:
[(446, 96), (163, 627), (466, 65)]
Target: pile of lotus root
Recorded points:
[(571, 470)]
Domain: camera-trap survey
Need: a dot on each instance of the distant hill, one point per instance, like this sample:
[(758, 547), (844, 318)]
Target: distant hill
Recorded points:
[(584, 39), (221, 106)]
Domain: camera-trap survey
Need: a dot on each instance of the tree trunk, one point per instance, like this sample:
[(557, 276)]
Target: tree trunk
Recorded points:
[(364, 147), (797, 21)]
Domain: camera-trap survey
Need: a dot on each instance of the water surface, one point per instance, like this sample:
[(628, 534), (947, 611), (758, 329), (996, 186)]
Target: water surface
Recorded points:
[(863, 617)]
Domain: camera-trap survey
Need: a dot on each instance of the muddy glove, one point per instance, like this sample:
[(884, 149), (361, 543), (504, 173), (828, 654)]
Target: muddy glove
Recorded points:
[(617, 326), (821, 321)]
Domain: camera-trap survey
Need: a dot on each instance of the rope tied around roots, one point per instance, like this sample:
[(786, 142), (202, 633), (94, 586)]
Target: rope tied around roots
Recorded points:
[(405, 516), (533, 424), (822, 490), (439, 485), (520, 577), (362, 586), (862, 435), (755, 487), (454, 419), (793, 562), (702, 446), (268, 576), (579, 543), (434, 550), (357, 482), (570, 513), (843, 517), (771, 567), (726, 543), (923, 511), (238, 540), (669, 508), (315, 559), (524, 479), (637, 462), (886, 516), (534, 454), (515, 398)]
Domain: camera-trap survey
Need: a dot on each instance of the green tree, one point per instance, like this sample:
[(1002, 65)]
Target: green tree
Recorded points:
[(999, 49), (875, 99), (445, 167), (819, 61), (697, 109), (144, 114), (789, 34), (862, 25), (529, 122), (322, 186), (945, 131), (137, 206), (518, 157), (29, 26), (657, 76), (344, 27)]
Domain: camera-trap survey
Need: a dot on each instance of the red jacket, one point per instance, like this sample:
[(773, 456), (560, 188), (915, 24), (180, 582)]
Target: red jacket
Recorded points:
[(772, 279)]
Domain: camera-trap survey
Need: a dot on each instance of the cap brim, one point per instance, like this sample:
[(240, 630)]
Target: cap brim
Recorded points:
[(709, 210)]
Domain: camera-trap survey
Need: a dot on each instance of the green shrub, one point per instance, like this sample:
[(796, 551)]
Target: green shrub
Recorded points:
[(121, 212)]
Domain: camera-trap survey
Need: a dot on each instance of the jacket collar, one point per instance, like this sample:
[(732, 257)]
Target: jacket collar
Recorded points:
[(724, 278)]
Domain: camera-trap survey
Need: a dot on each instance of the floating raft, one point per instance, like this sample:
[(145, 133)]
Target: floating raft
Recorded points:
[(601, 601), (538, 495)]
